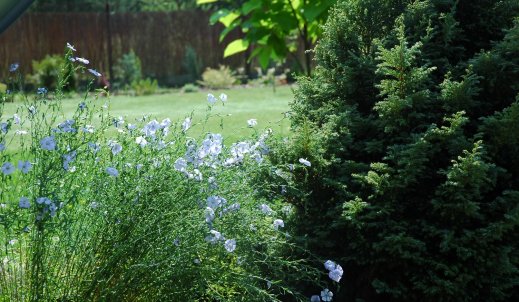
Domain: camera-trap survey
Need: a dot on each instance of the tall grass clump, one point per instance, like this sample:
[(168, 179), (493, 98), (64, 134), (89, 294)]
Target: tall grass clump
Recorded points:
[(97, 208)]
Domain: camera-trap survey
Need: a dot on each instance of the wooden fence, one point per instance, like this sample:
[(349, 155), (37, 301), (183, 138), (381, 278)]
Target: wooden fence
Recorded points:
[(159, 39)]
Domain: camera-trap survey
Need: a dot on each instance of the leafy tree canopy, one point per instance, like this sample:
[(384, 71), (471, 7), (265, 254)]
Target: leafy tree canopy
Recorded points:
[(272, 29)]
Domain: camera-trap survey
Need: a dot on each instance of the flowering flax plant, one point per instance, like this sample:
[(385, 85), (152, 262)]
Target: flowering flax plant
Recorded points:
[(99, 207)]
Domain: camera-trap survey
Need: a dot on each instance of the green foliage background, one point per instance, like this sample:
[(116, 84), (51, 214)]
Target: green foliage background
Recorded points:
[(411, 124)]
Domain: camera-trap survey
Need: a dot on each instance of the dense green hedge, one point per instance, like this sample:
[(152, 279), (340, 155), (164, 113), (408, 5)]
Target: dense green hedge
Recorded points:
[(411, 123)]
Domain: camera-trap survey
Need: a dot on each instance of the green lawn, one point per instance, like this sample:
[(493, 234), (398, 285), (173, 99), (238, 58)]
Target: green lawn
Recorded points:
[(260, 103)]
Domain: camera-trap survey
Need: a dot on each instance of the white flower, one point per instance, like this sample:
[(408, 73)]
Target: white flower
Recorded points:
[(305, 162), (252, 122), (330, 265), (230, 245), (131, 127), (24, 203), (7, 168), (32, 110), (217, 235), (326, 295), (115, 147), (112, 171), (48, 143), (141, 141), (82, 60), (24, 166), (212, 146), (211, 99), (197, 175), (214, 237), (266, 209), (209, 215), (269, 284), (70, 46), (21, 132), (336, 273), (180, 164), (233, 207), (151, 128), (94, 72), (278, 223), (16, 118), (215, 201), (165, 123), (315, 298), (186, 124), (88, 129), (223, 97), (238, 150)]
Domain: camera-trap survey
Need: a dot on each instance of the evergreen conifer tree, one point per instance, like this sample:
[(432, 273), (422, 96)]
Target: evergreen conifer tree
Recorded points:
[(411, 122)]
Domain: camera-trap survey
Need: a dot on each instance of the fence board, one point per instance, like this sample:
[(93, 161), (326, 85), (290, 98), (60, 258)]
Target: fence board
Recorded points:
[(158, 38)]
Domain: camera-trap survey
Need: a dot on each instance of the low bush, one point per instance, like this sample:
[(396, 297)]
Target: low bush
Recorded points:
[(46, 73), (127, 70), (218, 78), (188, 88), (145, 87)]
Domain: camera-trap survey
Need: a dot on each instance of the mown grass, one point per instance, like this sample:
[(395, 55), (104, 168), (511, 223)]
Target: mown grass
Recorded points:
[(260, 103)]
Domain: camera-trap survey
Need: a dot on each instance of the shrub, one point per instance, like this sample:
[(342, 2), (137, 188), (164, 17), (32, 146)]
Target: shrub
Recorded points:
[(47, 71), (188, 88), (192, 64), (3, 88), (218, 78), (410, 124), (145, 87), (127, 70)]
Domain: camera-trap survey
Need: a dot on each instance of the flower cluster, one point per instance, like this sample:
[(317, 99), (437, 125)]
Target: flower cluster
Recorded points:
[(334, 270), (8, 168), (84, 180), (212, 99)]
